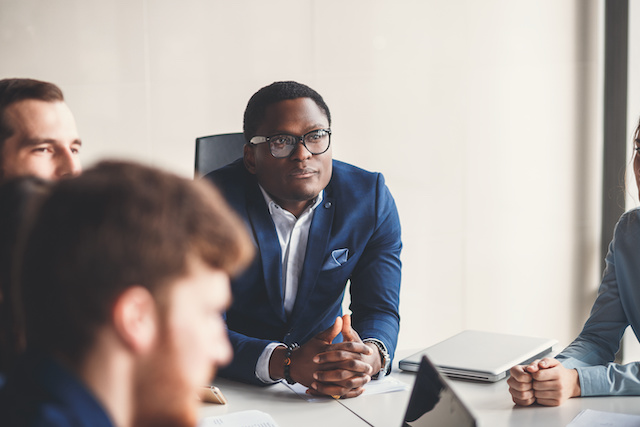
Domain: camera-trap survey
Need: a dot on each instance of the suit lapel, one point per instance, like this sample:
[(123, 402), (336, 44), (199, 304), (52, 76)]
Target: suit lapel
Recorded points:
[(316, 249), (269, 248)]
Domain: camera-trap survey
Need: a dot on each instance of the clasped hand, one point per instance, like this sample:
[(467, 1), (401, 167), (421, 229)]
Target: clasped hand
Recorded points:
[(340, 369), (544, 381)]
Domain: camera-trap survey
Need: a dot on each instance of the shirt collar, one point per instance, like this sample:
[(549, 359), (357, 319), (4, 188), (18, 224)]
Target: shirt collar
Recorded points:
[(272, 205)]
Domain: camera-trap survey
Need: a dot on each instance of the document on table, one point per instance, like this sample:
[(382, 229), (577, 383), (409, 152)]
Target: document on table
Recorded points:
[(385, 385), (592, 418), (240, 419)]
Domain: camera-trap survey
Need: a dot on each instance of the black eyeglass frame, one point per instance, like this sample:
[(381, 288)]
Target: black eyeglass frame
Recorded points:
[(256, 140)]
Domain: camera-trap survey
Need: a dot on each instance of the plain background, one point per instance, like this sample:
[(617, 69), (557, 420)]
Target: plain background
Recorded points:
[(484, 116)]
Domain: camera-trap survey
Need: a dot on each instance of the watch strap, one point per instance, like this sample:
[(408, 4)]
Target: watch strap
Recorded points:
[(287, 363)]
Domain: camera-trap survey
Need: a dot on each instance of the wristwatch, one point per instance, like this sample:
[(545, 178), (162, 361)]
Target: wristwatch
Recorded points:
[(385, 359)]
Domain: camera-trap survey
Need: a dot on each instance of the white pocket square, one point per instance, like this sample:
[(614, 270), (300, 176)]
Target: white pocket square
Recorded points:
[(337, 258)]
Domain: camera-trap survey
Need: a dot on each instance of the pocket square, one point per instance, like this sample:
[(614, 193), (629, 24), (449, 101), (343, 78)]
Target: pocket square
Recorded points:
[(337, 258)]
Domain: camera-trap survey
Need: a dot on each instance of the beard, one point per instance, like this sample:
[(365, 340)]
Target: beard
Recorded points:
[(164, 398)]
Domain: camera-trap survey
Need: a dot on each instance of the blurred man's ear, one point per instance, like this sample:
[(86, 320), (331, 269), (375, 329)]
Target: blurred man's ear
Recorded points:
[(135, 319)]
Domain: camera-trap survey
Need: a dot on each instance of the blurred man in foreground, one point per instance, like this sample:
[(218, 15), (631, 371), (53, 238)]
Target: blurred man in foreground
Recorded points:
[(38, 134), (125, 277)]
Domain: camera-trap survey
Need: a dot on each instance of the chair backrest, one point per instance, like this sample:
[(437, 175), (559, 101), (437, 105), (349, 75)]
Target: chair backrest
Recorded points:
[(215, 151)]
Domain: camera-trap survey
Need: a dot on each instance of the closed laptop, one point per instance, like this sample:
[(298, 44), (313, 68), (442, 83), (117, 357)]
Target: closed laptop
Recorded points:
[(479, 355)]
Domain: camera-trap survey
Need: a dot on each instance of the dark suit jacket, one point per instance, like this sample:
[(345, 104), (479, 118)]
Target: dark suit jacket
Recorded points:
[(40, 392), (357, 213)]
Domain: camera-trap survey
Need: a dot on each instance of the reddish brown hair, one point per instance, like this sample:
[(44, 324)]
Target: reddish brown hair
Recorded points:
[(118, 225)]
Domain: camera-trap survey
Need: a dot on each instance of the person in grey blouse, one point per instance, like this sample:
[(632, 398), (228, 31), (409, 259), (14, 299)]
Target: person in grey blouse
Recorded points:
[(585, 367)]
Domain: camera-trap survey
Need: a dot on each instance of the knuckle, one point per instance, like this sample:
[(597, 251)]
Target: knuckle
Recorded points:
[(352, 364), (520, 386)]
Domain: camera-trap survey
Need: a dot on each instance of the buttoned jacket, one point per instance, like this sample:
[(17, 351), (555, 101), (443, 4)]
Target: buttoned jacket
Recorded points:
[(354, 238)]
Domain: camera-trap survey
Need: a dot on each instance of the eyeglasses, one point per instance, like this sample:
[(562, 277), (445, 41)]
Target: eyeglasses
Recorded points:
[(282, 146)]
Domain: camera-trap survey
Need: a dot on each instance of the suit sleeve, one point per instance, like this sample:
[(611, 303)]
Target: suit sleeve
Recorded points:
[(375, 282), (593, 352), (246, 352)]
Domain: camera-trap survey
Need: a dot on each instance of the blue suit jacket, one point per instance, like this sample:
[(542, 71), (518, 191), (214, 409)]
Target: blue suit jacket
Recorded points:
[(40, 392), (357, 213)]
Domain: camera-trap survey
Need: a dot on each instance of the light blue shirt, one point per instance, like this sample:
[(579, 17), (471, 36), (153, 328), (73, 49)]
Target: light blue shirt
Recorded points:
[(617, 306)]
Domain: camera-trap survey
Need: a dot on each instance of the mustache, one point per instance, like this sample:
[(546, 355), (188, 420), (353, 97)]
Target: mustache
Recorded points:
[(300, 171)]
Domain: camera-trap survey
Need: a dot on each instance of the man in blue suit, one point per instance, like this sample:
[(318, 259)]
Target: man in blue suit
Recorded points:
[(317, 224)]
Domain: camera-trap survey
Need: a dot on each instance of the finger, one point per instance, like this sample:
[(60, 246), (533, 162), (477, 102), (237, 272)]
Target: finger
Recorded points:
[(548, 362), (548, 374), (551, 393), (329, 334), (352, 346), (523, 395), (340, 373), (519, 374), (348, 333), (317, 393), (532, 367), (523, 402), (351, 393), (551, 385), (350, 365), (343, 351), (549, 402), (520, 385), (346, 380), (341, 388), (551, 397)]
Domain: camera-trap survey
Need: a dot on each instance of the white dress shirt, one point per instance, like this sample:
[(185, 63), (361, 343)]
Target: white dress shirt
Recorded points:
[(293, 234)]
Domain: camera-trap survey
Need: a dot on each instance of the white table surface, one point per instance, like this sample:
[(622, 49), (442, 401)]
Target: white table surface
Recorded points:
[(490, 402), (287, 408)]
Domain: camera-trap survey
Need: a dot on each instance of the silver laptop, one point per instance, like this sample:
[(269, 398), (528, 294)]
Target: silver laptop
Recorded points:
[(434, 403), (482, 356)]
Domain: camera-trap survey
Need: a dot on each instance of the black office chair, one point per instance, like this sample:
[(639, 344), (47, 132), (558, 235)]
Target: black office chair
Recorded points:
[(215, 151)]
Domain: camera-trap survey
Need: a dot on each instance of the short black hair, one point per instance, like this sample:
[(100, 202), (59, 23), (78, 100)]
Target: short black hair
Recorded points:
[(276, 92)]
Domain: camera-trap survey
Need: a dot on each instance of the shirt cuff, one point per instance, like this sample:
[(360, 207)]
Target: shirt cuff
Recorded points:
[(382, 374), (262, 367)]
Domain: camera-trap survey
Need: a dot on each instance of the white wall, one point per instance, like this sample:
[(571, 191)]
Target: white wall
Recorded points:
[(483, 115)]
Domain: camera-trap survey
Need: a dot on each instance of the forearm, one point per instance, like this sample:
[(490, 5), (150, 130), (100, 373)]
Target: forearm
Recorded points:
[(276, 363), (594, 345), (380, 326), (610, 380)]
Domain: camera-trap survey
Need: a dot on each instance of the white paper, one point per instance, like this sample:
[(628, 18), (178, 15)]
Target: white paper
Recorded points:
[(592, 418), (240, 419), (384, 385)]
